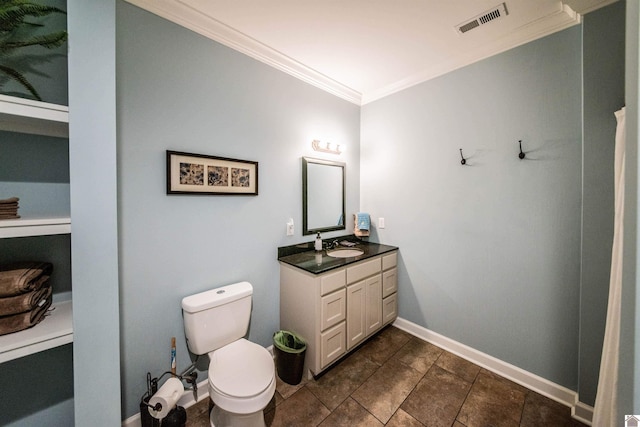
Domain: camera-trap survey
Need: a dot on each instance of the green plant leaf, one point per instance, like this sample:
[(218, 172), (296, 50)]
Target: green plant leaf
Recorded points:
[(48, 41), (18, 77), (16, 32)]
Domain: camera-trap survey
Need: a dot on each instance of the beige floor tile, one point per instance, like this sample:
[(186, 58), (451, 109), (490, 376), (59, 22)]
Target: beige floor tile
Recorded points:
[(198, 414), (458, 366), (383, 393), (493, 402), (402, 419), (418, 354), (343, 379), (287, 390), (436, 400), (540, 410), (300, 409), (350, 414), (383, 345)]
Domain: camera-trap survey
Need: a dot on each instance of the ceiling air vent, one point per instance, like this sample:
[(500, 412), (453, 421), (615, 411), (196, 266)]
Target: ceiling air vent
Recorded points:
[(484, 18)]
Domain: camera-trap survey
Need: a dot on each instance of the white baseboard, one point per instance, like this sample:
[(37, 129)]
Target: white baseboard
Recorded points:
[(582, 412), (185, 401), (563, 395)]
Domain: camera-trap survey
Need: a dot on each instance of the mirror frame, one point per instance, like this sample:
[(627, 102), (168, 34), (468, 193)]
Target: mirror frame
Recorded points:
[(305, 208)]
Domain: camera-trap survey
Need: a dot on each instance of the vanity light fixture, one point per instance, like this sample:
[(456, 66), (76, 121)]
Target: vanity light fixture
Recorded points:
[(326, 149)]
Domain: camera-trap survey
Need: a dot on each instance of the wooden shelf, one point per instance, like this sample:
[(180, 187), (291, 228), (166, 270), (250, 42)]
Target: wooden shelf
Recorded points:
[(25, 227), (35, 117), (55, 330)]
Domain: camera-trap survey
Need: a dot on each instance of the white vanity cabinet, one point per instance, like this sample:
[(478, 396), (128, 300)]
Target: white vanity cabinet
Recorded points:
[(337, 310)]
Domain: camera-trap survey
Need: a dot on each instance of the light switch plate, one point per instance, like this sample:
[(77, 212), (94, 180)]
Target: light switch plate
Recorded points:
[(290, 227), (380, 222)]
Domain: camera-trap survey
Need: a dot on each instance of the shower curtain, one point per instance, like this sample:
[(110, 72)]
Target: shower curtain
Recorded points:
[(605, 408)]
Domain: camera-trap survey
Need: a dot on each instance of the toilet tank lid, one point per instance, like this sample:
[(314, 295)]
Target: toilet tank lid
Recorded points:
[(216, 297)]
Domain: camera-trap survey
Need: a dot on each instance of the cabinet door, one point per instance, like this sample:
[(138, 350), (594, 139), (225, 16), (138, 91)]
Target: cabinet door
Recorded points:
[(333, 309), (374, 304), (389, 282), (356, 313), (390, 308), (332, 344)]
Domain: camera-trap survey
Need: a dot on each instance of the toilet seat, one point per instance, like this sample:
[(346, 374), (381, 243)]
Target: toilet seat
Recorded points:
[(241, 377)]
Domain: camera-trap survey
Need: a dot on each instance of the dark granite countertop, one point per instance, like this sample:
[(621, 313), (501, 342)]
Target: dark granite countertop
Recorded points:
[(303, 255)]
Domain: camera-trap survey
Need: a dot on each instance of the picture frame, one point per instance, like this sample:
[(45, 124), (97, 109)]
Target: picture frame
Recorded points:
[(190, 173)]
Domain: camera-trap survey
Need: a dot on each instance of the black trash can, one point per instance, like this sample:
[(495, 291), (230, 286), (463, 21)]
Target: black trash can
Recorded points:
[(289, 350)]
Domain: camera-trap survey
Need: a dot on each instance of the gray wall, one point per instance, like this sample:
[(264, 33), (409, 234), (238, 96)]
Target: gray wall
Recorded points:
[(490, 252), (35, 168), (603, 77), (38, 389), (180, 91), (94, 244)]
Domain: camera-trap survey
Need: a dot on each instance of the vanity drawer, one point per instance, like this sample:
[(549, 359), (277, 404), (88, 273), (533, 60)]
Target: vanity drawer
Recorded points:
[(332, 344), (389, 282), (389, 261), (332, 281), (389, 309), (333, 309), (363, 270)]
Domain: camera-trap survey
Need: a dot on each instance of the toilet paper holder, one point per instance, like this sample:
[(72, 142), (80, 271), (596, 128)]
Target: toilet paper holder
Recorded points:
[(190, 376)]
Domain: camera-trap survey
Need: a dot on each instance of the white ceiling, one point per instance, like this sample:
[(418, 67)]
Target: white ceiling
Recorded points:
[(362, 50)]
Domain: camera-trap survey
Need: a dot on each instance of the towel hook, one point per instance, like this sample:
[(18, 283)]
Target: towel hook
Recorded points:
[(521, 155), (463, 161)]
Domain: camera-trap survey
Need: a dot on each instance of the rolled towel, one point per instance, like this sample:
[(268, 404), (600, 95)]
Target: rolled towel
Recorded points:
[(22, 277), (19, 322), (9, 200), (25, 302)]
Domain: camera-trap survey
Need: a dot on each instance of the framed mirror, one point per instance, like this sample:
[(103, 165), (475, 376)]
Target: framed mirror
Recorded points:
[(323, 195)]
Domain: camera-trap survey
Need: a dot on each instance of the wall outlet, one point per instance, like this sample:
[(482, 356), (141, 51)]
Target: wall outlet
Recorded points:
[(380, 222), (290, 227)]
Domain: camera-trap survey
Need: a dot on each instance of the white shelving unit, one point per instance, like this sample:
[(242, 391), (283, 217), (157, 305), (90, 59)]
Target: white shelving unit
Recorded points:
[(41, 118), (35, 117), (55, 330), (25, 227)]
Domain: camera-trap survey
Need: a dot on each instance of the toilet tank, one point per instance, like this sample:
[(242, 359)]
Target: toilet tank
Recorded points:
[(215, 318)]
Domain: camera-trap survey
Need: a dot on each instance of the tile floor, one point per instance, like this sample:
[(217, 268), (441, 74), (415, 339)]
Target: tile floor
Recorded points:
[(395, 379)]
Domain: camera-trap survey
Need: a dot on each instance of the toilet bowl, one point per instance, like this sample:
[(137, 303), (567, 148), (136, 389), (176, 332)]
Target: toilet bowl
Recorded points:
[(242, 379), (241, 383)]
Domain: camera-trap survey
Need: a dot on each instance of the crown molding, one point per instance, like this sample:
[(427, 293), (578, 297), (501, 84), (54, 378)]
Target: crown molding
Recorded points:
[(587, 6), (563, 18), (207, 26), (179, 12)]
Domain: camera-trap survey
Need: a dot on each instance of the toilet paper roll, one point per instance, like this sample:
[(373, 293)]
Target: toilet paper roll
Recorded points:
[(167, 396)]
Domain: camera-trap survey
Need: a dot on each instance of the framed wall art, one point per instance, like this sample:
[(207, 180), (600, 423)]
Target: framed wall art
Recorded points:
[(189, 173)]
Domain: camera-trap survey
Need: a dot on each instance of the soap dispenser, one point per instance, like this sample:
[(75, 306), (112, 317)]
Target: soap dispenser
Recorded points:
[(318, 244)]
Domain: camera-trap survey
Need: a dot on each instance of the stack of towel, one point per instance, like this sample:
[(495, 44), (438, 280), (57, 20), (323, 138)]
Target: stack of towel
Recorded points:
[(362, 224), (9, 208), (25, 295)]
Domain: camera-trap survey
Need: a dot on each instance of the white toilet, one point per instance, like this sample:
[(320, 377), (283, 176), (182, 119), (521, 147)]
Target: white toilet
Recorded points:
[(242, 377)]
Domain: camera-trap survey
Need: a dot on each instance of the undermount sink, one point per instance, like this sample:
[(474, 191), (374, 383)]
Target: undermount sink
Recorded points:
[(344, 253)]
